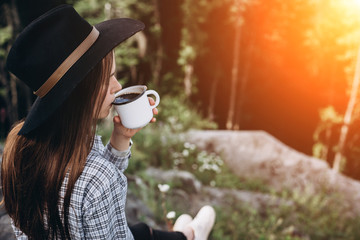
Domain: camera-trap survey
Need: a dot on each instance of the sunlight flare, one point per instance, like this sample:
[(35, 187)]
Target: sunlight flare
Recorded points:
[(352, 3)]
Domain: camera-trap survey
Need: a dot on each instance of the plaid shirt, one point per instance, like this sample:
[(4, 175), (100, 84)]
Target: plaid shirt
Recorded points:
[(97, 205)]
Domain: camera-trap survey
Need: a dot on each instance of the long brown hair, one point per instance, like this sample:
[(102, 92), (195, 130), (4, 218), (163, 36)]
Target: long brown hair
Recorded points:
[(34, 166)]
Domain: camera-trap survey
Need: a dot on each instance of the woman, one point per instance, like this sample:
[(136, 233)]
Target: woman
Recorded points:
[(59, 181)]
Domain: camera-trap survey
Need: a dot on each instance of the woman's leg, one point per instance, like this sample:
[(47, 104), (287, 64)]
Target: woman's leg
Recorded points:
[(162, 235), (142, 231)]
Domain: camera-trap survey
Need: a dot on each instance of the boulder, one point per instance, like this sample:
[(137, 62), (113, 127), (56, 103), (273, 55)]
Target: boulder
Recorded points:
[(258, 155)]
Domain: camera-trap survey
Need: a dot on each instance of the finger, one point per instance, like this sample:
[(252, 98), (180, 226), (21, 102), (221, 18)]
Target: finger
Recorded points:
[(152, 101), (155, 111), (153, 120)]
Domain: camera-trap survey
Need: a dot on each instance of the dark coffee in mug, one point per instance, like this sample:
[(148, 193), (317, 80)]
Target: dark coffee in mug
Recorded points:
[(125, 98)]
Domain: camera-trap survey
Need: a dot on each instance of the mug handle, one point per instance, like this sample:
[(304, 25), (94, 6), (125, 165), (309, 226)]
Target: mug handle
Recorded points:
[(157, 97)]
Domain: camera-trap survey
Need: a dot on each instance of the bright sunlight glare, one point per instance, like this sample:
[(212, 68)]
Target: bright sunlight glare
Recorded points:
[(352, 3)]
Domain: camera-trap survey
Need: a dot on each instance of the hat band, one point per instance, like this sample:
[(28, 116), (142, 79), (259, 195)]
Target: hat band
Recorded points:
[(67, 63)]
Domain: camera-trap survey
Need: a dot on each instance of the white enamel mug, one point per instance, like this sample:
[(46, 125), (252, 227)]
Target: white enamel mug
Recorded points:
[(135, 111)]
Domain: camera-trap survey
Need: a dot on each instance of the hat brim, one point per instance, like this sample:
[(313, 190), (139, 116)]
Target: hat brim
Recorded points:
[(112, 33)]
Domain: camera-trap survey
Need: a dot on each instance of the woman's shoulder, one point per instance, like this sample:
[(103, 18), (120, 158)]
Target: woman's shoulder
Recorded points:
[(96, 164)]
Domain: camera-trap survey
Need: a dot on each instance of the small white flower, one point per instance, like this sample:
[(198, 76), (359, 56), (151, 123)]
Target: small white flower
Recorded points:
[(187, 145), (216, 168), (185, 153), (107, 6), (163, 187), (170, 215), (172, 120), (219, 161), (176, 155)]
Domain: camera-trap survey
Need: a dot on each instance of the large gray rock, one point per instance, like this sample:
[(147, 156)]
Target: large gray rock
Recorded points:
[(258, 155)]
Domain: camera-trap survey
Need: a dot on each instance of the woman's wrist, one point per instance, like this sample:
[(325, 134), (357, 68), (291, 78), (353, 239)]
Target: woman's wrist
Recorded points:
[(120, 142)]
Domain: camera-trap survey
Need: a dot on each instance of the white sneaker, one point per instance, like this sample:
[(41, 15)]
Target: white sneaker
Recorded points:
[(181, 222), (203, 223)]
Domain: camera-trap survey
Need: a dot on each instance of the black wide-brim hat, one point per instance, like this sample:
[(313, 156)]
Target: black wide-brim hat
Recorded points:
[(56, 51)]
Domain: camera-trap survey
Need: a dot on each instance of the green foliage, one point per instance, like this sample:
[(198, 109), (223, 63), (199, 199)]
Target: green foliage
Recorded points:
[(127, 53), (328, 119), (162, 144), (148, 191), (309, 216), (177, 113), (5, 36), (91, 10), (2, 90), (159, 139), (245, 222), (171, 84), (192, 41), (329, 114), (153, 142), (322, 215), (209, 168)]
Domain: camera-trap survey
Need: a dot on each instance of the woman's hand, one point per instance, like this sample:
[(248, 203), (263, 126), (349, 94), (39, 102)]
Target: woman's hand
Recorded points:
[(120, 138)]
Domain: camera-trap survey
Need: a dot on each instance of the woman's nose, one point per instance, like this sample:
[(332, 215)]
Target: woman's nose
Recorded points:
[(115, 85)]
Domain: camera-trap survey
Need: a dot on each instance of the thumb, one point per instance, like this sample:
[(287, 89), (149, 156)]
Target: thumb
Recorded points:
[(116, 120)]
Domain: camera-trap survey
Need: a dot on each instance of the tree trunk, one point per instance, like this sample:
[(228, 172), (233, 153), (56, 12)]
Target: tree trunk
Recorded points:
[(159, 51), (325, 149), (133, 75), (348, 115), (141, 42), (212, 96), (158, 65), (328, 126), (189, 69), (243, 85), (234, 77)]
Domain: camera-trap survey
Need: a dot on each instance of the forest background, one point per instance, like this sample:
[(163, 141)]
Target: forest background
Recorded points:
[(290, 68), (286, 67)]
